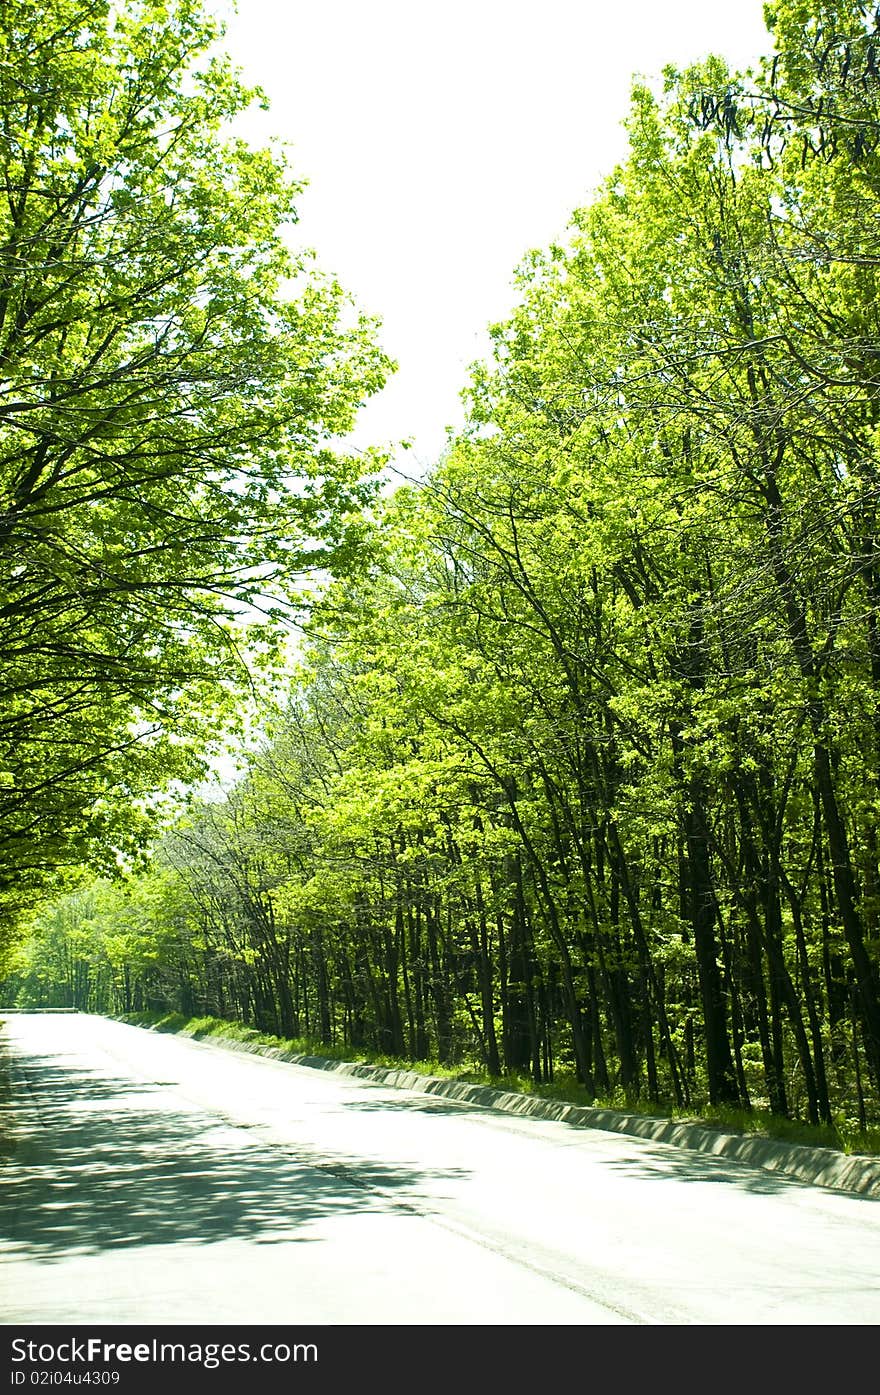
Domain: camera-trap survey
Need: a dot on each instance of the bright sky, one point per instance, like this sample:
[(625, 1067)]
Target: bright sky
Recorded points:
[(441, 141)]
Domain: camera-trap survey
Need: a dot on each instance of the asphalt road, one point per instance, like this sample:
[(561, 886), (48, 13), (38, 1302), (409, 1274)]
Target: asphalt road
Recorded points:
[(157, 1180)]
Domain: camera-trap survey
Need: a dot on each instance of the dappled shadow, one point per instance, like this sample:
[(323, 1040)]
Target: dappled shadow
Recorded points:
[(106, 1163), (417, 1105), (760, 1165), (659, 1162), (645, 1159)]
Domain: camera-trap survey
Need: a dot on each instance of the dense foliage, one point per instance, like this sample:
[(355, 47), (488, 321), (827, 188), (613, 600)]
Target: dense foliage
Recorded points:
[(172, 380), (582, 771)]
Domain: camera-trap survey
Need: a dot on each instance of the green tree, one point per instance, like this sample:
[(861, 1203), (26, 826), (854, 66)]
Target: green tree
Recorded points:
[(172, 380), (580, 772)]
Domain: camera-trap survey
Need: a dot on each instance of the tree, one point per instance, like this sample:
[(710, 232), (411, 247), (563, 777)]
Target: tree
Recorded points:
[(580, 773), (172, 378)]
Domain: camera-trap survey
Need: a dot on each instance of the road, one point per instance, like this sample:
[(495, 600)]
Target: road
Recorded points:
[(159, 1180)]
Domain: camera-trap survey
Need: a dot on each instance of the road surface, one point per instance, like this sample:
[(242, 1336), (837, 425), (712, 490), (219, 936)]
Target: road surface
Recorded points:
[(154, 1179)]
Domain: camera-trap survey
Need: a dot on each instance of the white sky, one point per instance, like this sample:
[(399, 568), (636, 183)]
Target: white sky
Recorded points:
[(442, 141)]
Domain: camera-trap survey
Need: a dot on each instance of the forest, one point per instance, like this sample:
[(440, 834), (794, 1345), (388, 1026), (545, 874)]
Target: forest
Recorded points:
[(573, 773)]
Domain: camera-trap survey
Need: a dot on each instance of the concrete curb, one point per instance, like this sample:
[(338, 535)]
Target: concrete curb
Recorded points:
[(821, 1167)]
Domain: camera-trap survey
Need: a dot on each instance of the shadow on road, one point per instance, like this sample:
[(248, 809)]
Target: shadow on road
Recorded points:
[(648, 1161), (106, 1163)]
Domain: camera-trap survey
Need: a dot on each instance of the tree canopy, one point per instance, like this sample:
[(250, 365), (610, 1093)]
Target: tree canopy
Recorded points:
[(173, 380)]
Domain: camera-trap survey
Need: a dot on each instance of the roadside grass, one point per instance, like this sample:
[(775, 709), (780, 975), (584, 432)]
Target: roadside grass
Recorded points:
[(845, 1135)]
